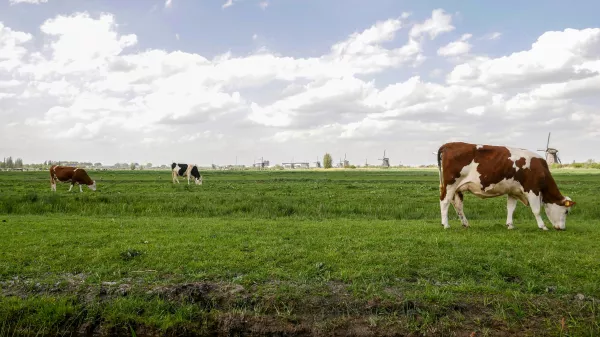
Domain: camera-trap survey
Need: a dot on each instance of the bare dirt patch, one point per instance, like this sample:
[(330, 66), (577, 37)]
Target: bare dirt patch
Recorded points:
[(327, 309)]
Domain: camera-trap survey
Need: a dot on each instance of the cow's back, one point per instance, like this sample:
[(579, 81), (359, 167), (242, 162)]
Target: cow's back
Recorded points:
[(62, 173), (182, 169)]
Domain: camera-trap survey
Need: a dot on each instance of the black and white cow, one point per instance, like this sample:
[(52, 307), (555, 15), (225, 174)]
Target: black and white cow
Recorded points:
[(185, 170)]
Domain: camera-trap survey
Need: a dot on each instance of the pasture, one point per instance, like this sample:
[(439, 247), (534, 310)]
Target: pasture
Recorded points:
[(345, 252)]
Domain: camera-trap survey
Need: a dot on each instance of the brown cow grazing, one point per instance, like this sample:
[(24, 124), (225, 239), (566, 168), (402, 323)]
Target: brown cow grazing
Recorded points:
[(70, 174), (491, 171)]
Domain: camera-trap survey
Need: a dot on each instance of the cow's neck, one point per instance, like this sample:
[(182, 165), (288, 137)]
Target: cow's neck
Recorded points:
[(550, 192)]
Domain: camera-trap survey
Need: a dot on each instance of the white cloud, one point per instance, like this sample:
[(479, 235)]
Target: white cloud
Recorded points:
[(71, 49), (168, 3), (254, 37), (315, 104), (106, 98), (229, 3), (14, 2), (12, 47), (439, 23), (493, 36), (437, 72), (263, 5), (456, 48), (476, 110), (555, 57)]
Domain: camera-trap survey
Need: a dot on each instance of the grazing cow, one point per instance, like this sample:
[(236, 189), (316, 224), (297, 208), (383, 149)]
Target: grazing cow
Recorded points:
[(185, 170), (70, 174), (491, 171)]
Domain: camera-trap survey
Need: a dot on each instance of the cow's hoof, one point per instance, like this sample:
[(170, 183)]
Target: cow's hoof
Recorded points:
[(465, 226), (544, 228), (509, 226)]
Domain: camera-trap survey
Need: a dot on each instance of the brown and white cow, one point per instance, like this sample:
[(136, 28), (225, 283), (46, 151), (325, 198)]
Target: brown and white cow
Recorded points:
[(70, 174), (491, 171)]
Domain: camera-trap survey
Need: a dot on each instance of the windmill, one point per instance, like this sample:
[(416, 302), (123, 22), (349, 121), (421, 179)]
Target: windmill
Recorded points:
[(551, 153), (318, 163), (385, 162), (344, 163)]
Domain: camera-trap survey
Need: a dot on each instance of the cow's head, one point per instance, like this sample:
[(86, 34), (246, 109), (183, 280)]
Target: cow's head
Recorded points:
[(557, 213), (199, 180), (92, 186)]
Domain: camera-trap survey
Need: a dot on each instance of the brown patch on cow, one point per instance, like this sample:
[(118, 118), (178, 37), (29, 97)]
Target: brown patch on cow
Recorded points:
[(550, 192), (494, 166), (69, 174), (452, 157)]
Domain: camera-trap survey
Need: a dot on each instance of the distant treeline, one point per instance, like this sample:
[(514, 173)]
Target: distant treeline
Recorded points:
[(10, 163), (588, 164)]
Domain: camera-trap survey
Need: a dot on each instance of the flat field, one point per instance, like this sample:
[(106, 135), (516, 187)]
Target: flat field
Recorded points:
[(292, 253)]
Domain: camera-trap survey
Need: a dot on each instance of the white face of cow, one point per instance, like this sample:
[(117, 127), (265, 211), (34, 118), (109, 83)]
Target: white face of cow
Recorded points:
[(557, 214), (199, 181), (92, 186)]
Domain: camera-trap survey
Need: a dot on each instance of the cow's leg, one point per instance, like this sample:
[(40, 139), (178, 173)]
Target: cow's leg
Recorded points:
[(458, 206), (445, 204), (52, 184), (511, 204), (80, 189), (71, 187), (188, 178), (535, 202)]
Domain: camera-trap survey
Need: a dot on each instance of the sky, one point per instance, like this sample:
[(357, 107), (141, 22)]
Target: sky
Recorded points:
[(215, 81)]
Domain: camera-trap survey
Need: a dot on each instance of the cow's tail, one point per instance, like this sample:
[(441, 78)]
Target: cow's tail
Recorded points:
[(439, 161)]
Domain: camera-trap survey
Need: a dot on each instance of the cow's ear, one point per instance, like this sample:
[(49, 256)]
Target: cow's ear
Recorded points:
[(569, 203)]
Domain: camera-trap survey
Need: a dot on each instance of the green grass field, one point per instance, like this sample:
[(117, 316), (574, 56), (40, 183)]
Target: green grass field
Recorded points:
[(290, 253)]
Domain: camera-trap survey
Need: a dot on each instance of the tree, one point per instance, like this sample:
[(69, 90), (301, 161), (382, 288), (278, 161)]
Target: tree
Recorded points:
[(148, 165), (19, 163), (132, 166), (327, 161), (10, 163)]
